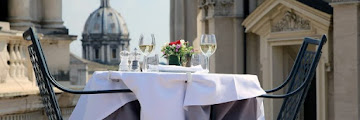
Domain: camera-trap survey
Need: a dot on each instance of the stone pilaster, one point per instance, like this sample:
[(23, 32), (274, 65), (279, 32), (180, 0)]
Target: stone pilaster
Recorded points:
[(346, 60), (183, 20), (177, 20), (223, 18)]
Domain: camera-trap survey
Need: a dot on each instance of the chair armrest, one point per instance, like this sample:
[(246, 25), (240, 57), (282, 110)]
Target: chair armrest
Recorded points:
[(279, 87), (292, 92), (59, 86)]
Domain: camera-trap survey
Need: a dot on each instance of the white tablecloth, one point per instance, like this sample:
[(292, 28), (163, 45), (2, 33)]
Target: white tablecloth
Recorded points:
[(165, 96)]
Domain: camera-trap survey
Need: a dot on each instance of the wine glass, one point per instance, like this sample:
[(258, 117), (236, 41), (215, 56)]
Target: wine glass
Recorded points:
[(146, 47), (208, 47)]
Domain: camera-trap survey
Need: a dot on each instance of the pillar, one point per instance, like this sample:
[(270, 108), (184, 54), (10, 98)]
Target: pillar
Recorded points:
[(88, 52), (102, 53), (108, 53), (177, 20), (52, 14), (183, 20), (91, 51), (346, 60), (20, 14)]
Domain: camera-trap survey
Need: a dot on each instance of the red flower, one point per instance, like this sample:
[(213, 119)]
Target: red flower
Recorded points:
[(177, 42)]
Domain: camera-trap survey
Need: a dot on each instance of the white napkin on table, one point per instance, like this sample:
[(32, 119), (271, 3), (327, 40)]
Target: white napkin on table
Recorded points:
[(173, 68)]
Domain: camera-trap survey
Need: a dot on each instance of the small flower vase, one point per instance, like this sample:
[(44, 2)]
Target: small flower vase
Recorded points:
[(174, 60), (185, 60)]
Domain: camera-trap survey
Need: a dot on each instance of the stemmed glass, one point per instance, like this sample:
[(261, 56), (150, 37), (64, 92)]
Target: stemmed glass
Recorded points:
[(146, 47), (208, 47)]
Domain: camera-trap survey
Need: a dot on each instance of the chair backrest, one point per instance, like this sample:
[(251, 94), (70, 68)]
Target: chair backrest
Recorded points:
[(42, 74), (303, 71)]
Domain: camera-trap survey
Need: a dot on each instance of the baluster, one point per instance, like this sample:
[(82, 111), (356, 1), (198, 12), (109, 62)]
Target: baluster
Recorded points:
[(12, 61), (23, 60), (4, 58), (17, 60)]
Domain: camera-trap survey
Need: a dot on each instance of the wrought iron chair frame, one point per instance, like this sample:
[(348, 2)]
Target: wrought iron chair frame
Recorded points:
[(45, 80), (301, 89)]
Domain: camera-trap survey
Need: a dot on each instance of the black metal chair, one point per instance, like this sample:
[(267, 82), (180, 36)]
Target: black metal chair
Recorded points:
[(299, 79), (45, 80)]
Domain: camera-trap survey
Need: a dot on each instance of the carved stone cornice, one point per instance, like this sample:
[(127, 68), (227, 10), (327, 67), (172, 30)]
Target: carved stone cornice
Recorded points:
[(291, 22), (205, 3), (224, 8), (217, 7)]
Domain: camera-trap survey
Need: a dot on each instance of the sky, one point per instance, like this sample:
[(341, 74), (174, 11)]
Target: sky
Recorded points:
[(142, 17)]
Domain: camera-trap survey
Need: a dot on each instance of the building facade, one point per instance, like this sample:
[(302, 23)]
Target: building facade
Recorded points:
[(262, 37), (105, 35)]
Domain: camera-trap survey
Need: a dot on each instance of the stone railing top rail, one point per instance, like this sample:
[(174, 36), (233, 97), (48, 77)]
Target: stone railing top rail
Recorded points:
[(20, 91)]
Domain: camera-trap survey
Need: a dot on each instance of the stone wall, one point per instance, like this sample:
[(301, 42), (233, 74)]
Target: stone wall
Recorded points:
[(345, 95), (30, 107)]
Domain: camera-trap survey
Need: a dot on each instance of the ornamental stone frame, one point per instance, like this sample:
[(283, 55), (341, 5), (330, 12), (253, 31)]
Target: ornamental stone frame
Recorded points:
[(281, 24)]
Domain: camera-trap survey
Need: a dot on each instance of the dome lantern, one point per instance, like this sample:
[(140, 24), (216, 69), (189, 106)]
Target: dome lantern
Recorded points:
[(105, 3)]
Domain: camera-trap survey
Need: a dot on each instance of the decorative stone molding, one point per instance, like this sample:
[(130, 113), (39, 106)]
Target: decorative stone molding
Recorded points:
[(224, 8), (217, 7), (205, 3), (291, 22)]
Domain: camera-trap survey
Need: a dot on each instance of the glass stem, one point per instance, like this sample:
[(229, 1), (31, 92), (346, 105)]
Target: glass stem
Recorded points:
[(144, 64), (208, 63)]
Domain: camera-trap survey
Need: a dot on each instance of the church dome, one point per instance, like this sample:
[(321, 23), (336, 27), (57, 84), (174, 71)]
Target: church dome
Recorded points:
[(105, 20)]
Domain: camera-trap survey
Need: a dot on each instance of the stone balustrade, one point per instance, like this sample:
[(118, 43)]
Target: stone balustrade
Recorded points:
[(14, 62), (18, 91)]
